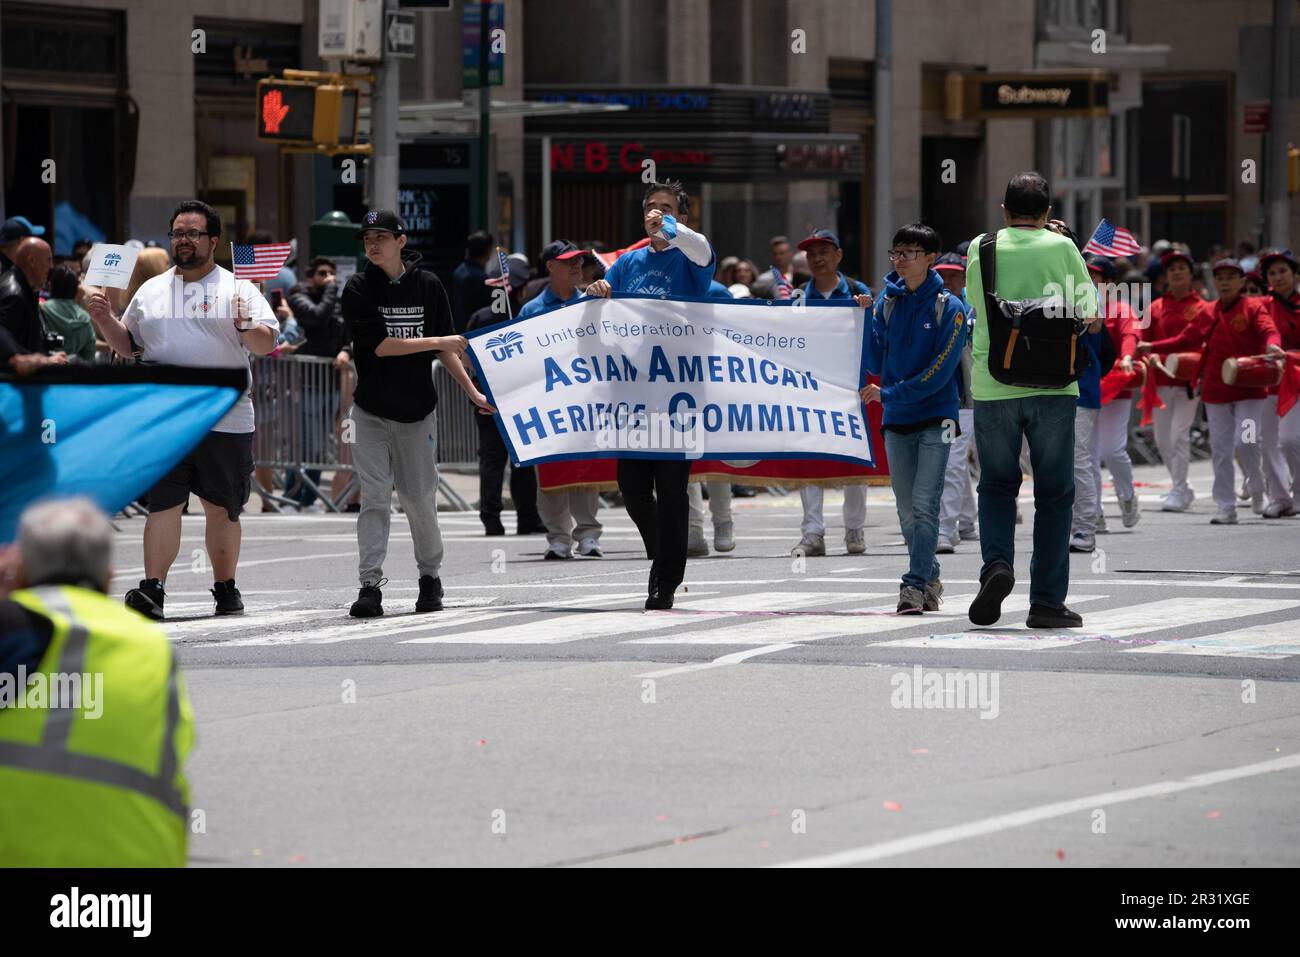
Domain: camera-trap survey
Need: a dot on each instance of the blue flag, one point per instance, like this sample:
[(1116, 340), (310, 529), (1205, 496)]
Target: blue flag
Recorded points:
[(108, 432)]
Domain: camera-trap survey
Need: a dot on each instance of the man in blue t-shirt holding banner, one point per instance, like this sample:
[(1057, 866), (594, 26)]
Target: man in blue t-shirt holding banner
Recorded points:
[(678, 262)]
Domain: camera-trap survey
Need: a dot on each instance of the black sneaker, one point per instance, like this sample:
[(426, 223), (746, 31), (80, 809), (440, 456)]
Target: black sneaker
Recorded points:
[(430, 594), (369, 603), (147, 599), (995, 586), (227, 596), (493, 526), (1041, 616)]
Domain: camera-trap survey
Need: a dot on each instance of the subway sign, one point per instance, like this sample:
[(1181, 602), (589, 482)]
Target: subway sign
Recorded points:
[(985, 96)]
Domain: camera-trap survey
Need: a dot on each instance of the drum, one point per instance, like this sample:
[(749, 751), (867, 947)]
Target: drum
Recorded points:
[(1252, 372), (1183, 366)]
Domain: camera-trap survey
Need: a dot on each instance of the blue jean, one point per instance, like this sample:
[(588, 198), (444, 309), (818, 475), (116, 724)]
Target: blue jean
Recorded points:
[(1048, 424), (917, 463)]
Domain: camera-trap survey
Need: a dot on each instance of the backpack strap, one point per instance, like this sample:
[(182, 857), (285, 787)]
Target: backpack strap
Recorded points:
[(989, 263)]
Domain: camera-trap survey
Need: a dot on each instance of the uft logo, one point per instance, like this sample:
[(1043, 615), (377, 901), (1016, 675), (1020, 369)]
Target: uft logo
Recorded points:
[(371, 218), (506, 345), (112, 259)]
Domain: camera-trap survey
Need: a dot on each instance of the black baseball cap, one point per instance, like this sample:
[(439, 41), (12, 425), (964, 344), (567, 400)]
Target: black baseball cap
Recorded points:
[(820, 236), (559, 249), (382, 219)]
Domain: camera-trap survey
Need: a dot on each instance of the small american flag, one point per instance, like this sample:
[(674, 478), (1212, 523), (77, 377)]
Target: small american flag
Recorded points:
[(503, 281), (259, 263), (782, 285), (1112, 241)]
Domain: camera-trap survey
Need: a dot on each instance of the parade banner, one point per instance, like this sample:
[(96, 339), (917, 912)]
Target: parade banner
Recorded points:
[(649, 377)]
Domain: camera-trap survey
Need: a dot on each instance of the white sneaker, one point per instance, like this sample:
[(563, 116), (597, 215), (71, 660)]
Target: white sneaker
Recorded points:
[(1080, 542), (589, 548), (1243, 493), (855, 540), (1128, 511), (557, 552), (696, 546), (968, 535), (1225, 516), (1279, 510), (1174, 502), (1257, 504), (944, 547), (1188, 496), (724, 536)]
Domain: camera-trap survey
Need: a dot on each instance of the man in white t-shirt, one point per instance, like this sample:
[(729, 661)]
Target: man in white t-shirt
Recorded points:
[(197, 314)]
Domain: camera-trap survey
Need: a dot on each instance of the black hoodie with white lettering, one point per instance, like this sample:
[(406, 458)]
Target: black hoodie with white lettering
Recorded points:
[(412, 306)]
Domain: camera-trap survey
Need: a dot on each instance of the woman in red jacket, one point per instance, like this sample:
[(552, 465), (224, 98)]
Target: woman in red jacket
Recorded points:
[(1281, 436), (1113, 419), (1234, 326), (1169, 315)]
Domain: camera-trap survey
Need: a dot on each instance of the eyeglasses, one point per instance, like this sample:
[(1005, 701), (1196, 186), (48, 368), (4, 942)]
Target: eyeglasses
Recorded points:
[(906, 255), (193, 235)]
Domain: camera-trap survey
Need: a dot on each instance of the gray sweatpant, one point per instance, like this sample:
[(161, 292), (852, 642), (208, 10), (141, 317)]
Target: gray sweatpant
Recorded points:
[(1087, 479), (401, 455), (569, 516)]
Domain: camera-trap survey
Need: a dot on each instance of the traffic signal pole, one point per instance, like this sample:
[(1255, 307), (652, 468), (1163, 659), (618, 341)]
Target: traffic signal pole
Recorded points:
[(484, 116), (383, 130)]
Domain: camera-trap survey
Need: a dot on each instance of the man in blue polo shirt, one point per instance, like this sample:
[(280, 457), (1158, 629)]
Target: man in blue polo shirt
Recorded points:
[(678, 262), (824, 254), (562, 262)]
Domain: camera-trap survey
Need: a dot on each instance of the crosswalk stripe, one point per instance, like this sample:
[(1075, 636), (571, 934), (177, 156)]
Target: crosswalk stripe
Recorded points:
[(349, 629), (1258, 641), (579, 626), (869, 621), (1112, 624)]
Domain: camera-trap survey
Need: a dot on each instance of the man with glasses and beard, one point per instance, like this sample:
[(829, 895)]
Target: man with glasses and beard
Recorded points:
[(196, 314)]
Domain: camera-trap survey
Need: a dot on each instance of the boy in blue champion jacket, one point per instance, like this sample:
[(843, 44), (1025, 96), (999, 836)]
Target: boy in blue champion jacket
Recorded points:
[(914, 343)]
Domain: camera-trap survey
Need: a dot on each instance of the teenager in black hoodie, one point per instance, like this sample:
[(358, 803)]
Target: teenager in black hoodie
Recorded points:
[(399, 317)]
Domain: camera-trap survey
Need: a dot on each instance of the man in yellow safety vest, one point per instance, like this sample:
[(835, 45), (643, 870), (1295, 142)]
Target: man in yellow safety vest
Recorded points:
[(95, 722)]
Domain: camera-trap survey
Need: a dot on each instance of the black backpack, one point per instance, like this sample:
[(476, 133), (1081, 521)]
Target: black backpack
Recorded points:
[(1033, 343)]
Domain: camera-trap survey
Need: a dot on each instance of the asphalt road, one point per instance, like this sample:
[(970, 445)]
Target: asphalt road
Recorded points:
[(780, 714)]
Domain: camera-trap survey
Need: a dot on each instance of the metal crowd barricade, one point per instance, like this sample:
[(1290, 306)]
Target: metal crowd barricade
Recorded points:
[(301, 426)]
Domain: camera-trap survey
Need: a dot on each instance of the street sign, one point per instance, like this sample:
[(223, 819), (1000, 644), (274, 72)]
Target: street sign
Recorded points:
[(470, 44), (399, 34), (988, 96), (1256, 118)]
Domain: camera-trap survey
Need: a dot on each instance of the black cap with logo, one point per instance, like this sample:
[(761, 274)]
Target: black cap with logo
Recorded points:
[(384, 219)]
